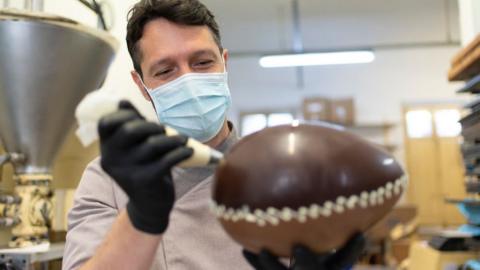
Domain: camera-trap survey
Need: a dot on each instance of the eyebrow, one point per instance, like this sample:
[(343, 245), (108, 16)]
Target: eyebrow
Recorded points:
[(206, 52)]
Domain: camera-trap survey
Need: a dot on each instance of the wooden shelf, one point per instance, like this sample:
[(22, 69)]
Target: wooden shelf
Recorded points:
[(466, 64), (372, 126)]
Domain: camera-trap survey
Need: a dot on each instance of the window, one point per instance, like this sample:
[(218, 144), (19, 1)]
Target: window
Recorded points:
[(447, 123), (276, 119), (254, 122), (419, 124)]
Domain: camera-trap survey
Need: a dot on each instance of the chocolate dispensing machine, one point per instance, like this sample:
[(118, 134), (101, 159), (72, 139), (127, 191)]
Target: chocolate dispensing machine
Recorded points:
[(48, 64)]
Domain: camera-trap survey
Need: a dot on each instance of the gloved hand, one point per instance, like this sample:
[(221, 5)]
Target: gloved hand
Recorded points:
[(304, 259), (139, 156)]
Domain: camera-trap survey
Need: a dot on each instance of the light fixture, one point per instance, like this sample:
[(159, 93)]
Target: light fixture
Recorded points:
[(317, 59)]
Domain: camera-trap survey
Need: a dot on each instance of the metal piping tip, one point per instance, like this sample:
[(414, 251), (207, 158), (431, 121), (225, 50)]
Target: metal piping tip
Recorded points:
[(216, 157)]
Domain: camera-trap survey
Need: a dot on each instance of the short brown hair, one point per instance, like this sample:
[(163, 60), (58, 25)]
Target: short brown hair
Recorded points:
[(185, 12)]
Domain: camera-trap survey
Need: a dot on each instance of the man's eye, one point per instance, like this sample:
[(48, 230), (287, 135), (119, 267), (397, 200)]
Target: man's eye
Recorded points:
[(163, 72), (204, 63)]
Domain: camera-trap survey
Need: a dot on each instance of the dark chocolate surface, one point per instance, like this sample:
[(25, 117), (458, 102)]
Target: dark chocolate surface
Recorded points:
[(294, 166)]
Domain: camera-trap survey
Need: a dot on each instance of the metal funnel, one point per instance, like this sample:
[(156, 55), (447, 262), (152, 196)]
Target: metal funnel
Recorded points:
[(47, 65)]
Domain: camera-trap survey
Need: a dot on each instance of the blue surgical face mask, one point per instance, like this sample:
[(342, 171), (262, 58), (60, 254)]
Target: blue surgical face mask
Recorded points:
[(194, 104)]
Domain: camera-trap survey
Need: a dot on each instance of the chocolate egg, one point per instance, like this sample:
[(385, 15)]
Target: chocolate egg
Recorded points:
[(310, 184)]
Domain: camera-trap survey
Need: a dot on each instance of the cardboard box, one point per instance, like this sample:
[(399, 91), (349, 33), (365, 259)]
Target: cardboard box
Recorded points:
[(342, 111), (316, 108), (400, 250)]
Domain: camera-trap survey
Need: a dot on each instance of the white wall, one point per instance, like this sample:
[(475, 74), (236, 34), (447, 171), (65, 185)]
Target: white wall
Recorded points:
[(397, 75), (411, 63), (379, 88), (118, 80), (470, 19)]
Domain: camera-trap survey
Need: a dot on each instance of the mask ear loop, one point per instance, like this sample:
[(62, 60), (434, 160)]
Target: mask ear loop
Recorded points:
[(224, 65), (148, 92), (143, 84)]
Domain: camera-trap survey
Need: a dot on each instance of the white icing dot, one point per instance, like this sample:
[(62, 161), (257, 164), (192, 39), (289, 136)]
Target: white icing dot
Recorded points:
[(273, 220), (364, 195), (328, 205), (339, 209), (258, 213), (373, 194), (286, 214), (326, 212), (302, 219), (314, 211), (389, 186), (381, 191), (303, 211), (272, 211), (241, 214), (250, 218), (352, 201), (261, 223), (341, 200), (396, 190), (388, 194)]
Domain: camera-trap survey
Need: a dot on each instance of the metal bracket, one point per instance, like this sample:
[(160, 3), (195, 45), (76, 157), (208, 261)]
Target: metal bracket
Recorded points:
[(4, 159), (9, 200), (11, 158), (34, 5), (97, 9), (298, 41)]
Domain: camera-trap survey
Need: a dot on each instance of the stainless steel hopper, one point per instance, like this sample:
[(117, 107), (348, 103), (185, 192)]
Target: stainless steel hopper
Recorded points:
[(47, 65)]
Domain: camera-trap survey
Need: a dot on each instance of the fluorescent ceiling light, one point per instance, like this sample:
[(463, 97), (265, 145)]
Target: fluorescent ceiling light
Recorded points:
[(317, 59)]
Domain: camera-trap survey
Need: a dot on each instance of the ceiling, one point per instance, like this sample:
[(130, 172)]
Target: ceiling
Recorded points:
[(257, 27)]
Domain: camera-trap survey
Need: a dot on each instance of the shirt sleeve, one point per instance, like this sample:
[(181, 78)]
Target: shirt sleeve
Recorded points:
[(91, 217)]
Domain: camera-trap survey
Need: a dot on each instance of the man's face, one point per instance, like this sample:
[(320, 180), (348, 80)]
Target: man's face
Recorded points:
[(171, 50)]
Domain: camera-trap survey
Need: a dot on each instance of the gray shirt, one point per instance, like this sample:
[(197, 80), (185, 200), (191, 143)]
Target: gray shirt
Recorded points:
[(194, 239)]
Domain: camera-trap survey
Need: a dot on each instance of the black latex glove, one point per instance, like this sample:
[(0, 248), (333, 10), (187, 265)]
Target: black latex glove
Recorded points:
[(304, 259), (139, 157)]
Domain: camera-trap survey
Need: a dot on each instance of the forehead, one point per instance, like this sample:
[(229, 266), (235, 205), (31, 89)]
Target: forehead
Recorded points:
[(162, 38)]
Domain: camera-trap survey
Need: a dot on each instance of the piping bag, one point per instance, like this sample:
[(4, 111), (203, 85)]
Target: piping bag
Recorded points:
[(101, 102)]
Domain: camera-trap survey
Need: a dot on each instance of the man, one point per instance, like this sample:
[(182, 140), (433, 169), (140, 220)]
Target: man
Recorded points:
[(127, 199)]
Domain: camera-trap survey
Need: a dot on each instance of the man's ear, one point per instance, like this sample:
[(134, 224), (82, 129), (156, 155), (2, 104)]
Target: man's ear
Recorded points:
[(138, 81), (225, 57)]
